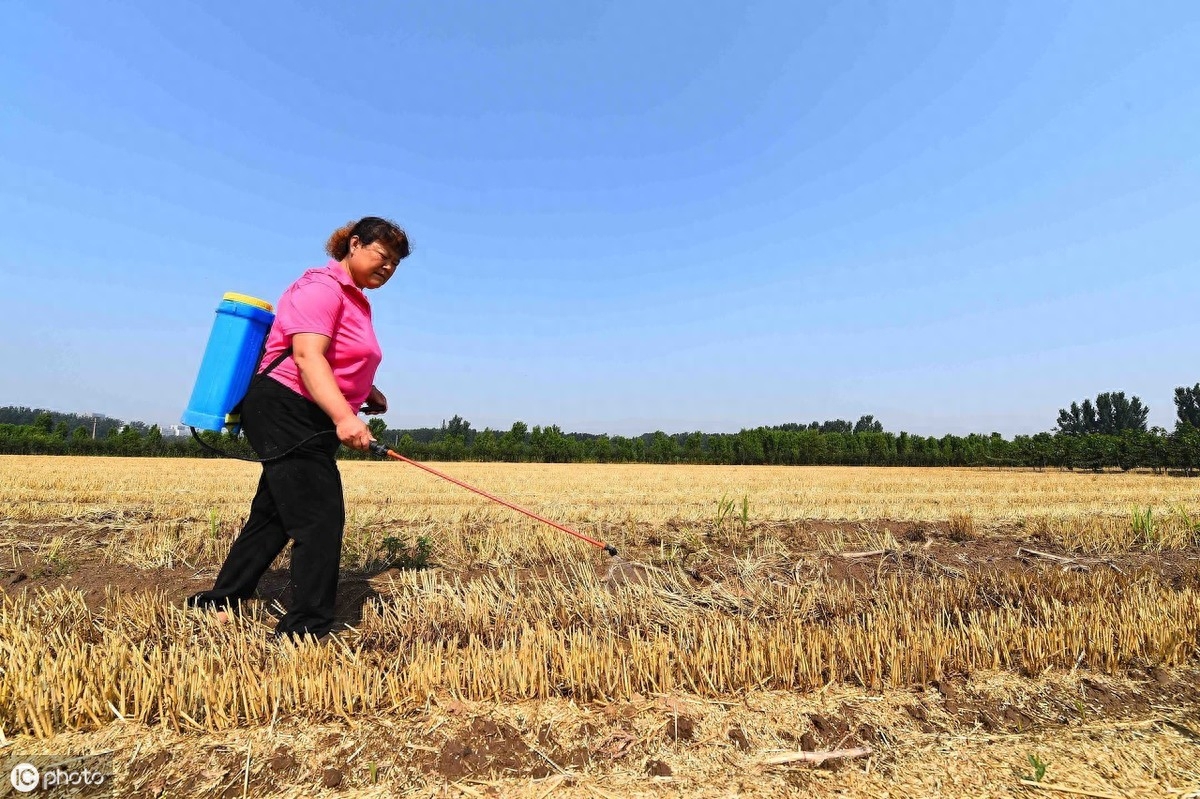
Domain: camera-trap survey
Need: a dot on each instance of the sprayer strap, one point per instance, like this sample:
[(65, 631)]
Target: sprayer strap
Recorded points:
[(236, 411), (282, 357)]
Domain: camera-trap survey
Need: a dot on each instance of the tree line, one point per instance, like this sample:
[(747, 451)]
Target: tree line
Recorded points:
[(1109, 432)]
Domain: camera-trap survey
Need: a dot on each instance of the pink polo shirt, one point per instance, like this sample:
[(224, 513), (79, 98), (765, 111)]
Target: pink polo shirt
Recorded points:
[(326, 301)]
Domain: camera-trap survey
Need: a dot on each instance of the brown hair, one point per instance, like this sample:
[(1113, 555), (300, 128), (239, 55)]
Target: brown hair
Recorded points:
[(369, 229)]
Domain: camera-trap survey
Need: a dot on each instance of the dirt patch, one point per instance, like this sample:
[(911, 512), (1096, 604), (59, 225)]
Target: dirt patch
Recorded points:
[(488, 748), (1093, 700), (836, 731), (572, 755), (920, 548), (680, 728), (282, 761), (95, 579), (994, 557), (214, 771), (820, 533), (908, 547), (499, 747), (921, 716)]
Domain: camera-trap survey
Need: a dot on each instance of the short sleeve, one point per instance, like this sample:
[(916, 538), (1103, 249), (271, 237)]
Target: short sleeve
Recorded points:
[(312, 306)]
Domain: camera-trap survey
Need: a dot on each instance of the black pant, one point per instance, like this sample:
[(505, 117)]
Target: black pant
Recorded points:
[(299, 496)]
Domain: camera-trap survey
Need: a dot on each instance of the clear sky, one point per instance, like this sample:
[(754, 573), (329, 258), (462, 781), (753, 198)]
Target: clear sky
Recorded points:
[(625, 216)]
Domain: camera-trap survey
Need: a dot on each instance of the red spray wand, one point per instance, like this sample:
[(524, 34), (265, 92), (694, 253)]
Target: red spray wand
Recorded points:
[(384, 452)]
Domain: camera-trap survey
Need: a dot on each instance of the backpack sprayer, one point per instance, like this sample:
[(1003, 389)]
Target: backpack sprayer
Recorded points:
[(235, 348), (231, 357)]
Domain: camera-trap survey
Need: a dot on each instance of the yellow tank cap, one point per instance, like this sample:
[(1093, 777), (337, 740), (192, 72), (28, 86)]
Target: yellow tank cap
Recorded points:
[(248, 300)]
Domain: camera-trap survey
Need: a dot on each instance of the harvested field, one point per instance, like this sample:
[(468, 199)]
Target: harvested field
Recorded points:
[(955, 623)]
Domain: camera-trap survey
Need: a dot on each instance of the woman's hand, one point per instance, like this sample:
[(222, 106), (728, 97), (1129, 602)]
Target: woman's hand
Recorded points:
[(308, 350), (354, 433), (376, 403)]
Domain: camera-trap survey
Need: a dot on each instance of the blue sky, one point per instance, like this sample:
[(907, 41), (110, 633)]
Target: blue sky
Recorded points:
[(625, 216)]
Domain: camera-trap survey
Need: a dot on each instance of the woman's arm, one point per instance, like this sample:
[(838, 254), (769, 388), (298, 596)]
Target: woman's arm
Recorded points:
[(308, 350)]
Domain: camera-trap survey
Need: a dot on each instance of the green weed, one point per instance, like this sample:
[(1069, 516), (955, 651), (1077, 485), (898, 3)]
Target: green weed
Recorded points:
[(402, 555), (1144, 526), (1039, 769)]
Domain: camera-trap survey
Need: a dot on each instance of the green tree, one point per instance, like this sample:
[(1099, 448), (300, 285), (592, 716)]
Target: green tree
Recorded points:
[(662, 448), (868, 424), (154, 440), (720, 447), (810, 447), (1077, 420), (1042, 450), (625, 449), (457, 426), (1133, 449), (598, 449), (450, 448), (1185, 447), (486, 447), (130, 442), (512, 443), (378, 428), (1158, 456), (748, 447), (406, 446), (1070, 421), (1116, 414), (537, 447), (1111, 415), (1187, 405), (555, 447)]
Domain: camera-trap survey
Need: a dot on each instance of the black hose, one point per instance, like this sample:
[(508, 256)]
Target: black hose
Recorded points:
[(283, 454)]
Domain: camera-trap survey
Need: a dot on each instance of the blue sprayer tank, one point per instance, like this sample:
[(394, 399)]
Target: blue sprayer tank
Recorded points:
[(230, 358)]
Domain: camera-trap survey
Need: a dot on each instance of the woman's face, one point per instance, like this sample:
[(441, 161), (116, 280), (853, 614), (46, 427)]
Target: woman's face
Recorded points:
[(371, 265)]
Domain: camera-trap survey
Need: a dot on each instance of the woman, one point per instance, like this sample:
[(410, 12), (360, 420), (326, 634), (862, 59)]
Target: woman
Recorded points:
[(317, 369)]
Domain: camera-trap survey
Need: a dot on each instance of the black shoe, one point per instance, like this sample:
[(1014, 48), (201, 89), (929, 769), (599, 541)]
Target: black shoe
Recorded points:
[(296, 639), (199, 602)]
